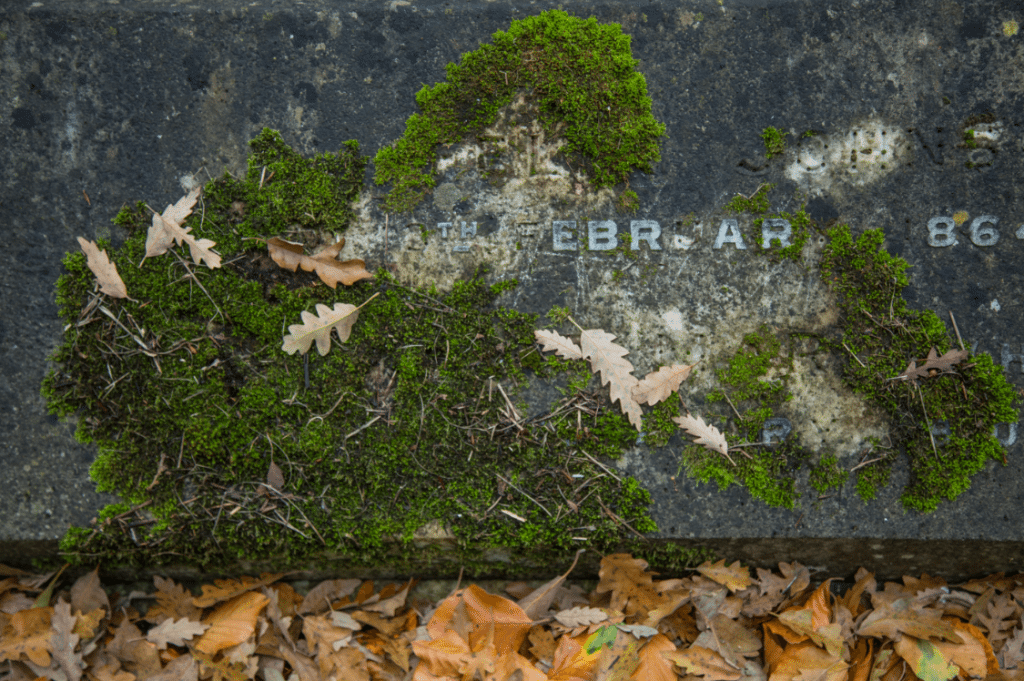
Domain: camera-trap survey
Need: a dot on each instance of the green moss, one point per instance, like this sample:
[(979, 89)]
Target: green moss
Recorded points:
[(774, 142), (400, 427), (578, 73), (880, 337), (628, 202), (757, 203), (969, 140), (753, 386), (658, 423), (827, 474)]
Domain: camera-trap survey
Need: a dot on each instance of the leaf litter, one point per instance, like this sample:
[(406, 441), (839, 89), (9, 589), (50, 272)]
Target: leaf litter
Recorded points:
[(720, 623)]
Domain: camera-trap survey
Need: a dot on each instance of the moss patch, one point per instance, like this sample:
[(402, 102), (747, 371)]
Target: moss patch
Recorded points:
[(757, 205), (753, 386), (774, 142), (397, 433), (578, 73), (944, 423)]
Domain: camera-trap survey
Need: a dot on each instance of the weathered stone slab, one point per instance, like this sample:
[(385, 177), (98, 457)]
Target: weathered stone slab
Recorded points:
[(904, 119)]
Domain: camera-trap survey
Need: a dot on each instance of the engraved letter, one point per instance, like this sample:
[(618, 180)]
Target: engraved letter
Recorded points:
[(985, 235), (729, 233), (443, 226), (468, 231), (940, 232), (645, 230), (941, 432), (602, 235), (564, 234), (1011, 434), (776, 228), (1008, 357), (777, 427)]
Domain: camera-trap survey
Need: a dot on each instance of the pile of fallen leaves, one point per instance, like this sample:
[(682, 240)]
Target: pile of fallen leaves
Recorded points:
[(720, 624)]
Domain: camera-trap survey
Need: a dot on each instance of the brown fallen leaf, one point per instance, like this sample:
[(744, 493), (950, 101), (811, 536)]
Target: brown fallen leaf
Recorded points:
[(536, 604), (232, 622), (290, 255), (932, 363), (174, 633), (106, 272), (735, 577)]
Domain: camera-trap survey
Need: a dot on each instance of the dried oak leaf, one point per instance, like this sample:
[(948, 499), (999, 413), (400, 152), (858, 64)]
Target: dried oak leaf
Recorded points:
[(64, 641), (703, 662), (172, 601), (318, 327), (609, 359), (933, 363), (706, 434), (105, 271), (290, 256), (319, 598), (659, 385), (580, 616), (227, 589), (174, 633), (563, 347), (27, 632), (167, 229), (735, 577)]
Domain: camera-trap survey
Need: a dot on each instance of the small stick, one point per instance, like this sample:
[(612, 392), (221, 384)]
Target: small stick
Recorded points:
[(865, 463), (927, 422), (853, 355), (364, 426), (510, 484), (606, 470), (618, 519), (731, 405), (958, 338)]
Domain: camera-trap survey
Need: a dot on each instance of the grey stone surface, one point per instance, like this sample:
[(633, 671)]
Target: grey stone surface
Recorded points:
[(108, 103)]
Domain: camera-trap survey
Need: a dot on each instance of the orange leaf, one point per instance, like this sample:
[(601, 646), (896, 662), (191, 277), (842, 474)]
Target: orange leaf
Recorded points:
[(653, 665), (734, 577), (229, 588), (703, 662), (232, 622), (510, 622)]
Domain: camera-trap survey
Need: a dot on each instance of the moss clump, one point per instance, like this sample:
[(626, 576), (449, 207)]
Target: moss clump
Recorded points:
[(753, 386), (757, 203), (774, 142), (827, 474), (881, 336), (578, 73), (190, 398)]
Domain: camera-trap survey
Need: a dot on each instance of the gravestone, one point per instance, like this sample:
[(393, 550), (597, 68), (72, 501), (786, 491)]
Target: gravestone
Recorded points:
[(783, 125)]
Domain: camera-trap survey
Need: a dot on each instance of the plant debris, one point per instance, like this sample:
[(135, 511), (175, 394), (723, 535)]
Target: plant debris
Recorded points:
[(720, 624)]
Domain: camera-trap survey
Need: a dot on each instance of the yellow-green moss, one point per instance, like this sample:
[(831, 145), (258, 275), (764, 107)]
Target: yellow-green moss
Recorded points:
[(396, 428), (885, 336), (578, 73), (774, 141), (767, 471)]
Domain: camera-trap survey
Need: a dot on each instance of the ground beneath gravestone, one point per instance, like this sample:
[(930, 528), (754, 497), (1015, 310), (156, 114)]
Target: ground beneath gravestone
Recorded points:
[(716, 621)]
